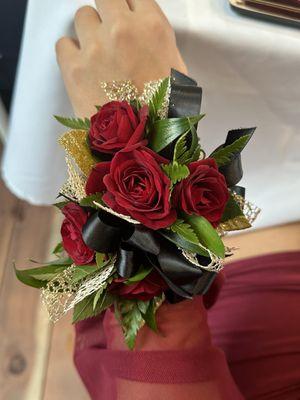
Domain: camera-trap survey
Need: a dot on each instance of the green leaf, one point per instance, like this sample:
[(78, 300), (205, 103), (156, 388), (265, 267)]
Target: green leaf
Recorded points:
[(97, 298), (232, 210), (225, 154), (58, 249), (74, 123), (176, 172), (131, 320), (187, 234), (82, 271), (103, 299), (60, 205), (150, 315), (233, 218), (85, 309), (61, 261), (183, 243), (38, 277), (143, 306), (167, 130), (158, 99), (101, 260), (206, 234), (89, 200), (184, 154), (140, 275), (185, 230)]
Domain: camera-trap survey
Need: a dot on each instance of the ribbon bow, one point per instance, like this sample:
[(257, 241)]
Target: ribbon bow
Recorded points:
[(136, 244)]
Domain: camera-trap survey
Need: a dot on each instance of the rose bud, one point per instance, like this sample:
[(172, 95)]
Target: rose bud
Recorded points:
[(116, 125), (204, 192), (71, 232)]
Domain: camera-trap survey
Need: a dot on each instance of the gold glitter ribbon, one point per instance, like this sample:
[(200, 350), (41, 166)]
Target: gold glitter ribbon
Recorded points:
[(62, 293), (250, 211)]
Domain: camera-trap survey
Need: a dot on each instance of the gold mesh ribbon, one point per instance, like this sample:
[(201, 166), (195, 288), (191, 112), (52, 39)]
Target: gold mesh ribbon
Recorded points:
[(250, 210), (126, 91), (216, 264), (62, 293)]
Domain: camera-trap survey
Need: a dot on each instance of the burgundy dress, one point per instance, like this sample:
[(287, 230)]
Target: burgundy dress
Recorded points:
[(246, 346)]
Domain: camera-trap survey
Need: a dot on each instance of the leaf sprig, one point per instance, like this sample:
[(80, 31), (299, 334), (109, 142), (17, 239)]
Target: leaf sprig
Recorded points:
[(225, 154), (74, 123), (157, 101)]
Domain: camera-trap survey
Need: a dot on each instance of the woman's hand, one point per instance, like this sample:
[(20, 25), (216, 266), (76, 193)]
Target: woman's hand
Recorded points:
[(123, 39)]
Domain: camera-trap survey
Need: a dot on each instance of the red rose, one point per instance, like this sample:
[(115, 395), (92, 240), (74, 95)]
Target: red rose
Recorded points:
[(71, 232), (204, 192), (95, 182), (115, 126), (153, 285), (135, 186)]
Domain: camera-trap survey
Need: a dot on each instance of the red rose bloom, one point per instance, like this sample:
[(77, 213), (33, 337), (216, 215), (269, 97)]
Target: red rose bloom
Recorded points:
[(153, 285), (204, 192), (135, 186), (71, 232), (115, 126)]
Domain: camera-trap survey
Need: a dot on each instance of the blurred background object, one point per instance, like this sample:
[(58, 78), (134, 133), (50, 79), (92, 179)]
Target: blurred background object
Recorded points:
[(285, 11)]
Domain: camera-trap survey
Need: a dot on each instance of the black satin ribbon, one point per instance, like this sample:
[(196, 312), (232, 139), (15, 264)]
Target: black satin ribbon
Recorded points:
[(185, 101), (185, 97), (136, 245)]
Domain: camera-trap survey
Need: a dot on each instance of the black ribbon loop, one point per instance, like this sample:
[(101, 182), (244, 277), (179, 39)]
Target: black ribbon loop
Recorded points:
[(144, 239), (185, 97), (101, 234), (126, 262), (136, 245)]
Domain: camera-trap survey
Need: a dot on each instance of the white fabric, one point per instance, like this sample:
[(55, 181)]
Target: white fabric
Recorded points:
[(249, 71)]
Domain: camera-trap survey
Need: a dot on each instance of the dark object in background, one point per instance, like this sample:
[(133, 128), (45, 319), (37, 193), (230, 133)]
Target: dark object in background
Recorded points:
[(12, 13), (285, 12)]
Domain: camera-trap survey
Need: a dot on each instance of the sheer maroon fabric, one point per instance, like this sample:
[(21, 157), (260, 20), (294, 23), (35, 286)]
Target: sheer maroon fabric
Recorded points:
[(255, 321)]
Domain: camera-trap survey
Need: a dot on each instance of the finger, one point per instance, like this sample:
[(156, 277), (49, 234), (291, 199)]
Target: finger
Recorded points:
[(131, 4), (149, 6), (87, 23), (66, 49), (108, 9), (151, 9)]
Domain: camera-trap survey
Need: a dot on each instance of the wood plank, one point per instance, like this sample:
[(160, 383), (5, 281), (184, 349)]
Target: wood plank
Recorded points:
[(19, 304), (62, 378), (9, 210)]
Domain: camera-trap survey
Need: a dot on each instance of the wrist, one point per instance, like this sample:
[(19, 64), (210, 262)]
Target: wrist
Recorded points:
[(182, 326)]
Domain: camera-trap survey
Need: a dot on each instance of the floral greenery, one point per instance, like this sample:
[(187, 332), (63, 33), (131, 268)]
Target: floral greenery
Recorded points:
[(189, 232), (158, 99), (176, 172), (224, 154), (167, 130), (74, 123), (133, 314)]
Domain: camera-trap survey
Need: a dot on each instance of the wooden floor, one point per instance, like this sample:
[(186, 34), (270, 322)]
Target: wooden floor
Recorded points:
[(35, 357)]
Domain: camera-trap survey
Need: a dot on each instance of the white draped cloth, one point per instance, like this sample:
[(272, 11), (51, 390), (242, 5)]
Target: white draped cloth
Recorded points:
[(249, 71)]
